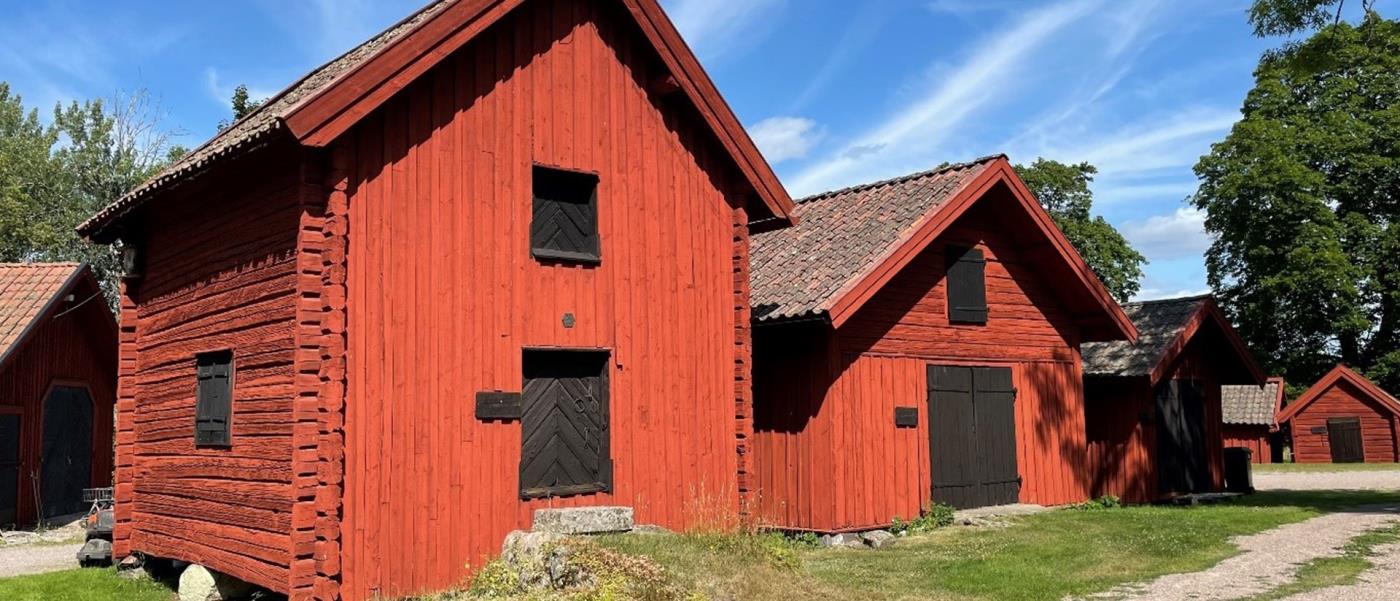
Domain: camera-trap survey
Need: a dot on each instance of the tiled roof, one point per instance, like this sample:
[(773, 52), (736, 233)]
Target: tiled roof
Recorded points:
[(1250, 405), (1158, 324), (261, 123), (25, 289), (841, 235)]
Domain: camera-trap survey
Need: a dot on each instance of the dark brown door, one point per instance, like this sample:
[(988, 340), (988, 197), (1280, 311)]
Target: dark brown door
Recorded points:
[(1181, 437), (67, 455), (9, 467), (564, 427), (972, 436), (1344, 436)]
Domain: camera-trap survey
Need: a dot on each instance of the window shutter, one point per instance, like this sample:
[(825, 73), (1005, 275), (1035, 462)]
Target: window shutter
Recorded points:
[(967, 285), (214, 399), (564, 219)]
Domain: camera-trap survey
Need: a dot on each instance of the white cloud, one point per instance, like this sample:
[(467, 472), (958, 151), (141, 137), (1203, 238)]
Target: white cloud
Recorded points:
[(784, 138), (713, 27), (221, 92), (1163, 237), (1147, 294), (1108, 191), (914, 131)]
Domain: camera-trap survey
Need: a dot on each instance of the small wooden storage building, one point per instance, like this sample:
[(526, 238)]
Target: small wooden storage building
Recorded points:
[(1153, 407), (493, 260), (1343, 418), (917, 341), (1247, 418), (58, 377)]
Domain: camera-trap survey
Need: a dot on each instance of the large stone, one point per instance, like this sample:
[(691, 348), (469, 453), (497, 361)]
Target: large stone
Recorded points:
[(95, 552), (583, 520), (877, 539), (845, 539), (197, 584)]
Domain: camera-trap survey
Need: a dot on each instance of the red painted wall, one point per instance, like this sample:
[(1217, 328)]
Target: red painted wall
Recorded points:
[(443, 295), (1122, 425), (1378, 426), (1254, 438), (214, 279), (828, 453), (76, 349)]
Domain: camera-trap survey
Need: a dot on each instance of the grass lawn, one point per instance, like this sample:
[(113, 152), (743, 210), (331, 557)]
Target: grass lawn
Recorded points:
[(90, 584), (1273, 468), (1044, 556)]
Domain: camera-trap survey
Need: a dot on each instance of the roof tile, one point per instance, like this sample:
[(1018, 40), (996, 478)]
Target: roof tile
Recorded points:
[(1158, 323), (1250, 405), (25, 289)]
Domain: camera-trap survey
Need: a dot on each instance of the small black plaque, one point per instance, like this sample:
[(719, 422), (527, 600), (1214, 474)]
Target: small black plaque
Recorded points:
[(1319, 430), (906, 417), (494, 404)]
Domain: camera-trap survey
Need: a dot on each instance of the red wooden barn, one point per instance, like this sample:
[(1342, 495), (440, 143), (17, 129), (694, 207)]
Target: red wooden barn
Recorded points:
[(917, 340), (1247, 417), (1153, 407), (492, 260), (58, 378), (1343, 418)]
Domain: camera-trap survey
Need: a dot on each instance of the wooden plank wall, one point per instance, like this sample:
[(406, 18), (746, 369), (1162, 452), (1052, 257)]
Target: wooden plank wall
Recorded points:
[(1254, 438), (215, 279), (443, 295), (1378, 426), (64, 351), (825, 401)]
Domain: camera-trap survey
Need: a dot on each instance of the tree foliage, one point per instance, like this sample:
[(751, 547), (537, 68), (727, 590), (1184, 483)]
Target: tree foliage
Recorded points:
[(1284, 17), (242, 104), (1064, 192), (54, 175), (1303, 196)]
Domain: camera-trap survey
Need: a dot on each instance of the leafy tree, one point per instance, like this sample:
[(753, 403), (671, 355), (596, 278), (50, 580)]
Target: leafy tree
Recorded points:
[(1064, 192), (242, 104), (55, 175), (1284, 17), (1303, 196)]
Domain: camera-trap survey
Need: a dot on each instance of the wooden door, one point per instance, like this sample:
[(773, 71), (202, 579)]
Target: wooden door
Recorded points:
[(564, 427), (9, 467), (1344, 437), (66, 467), (1182, 466), (972, 436)]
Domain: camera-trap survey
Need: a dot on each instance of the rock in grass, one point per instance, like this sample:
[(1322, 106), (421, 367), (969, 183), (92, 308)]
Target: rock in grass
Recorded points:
[(583, 520), (845, 540), (877, 539), (197, 584)]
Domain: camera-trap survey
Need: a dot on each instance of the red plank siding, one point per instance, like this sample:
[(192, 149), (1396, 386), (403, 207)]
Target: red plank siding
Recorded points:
[(66, 348), (828, 453), (443, 295), (1343, 400), (214, 280), (1254, 438)]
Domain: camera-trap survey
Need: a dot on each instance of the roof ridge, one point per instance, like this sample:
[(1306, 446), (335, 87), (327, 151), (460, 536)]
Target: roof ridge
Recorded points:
[(900, 178), (37, 265)]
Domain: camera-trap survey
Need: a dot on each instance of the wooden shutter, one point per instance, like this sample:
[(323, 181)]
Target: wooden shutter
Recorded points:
[(967, 285), (214, 399), (564, 428), (564, 220)]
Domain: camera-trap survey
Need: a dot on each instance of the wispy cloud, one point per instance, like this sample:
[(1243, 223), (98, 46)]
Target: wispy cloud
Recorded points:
[(1153, 293), (916, 129), (1177, 235), (785, 138), (859, 33), (221, 92), (716, 27)]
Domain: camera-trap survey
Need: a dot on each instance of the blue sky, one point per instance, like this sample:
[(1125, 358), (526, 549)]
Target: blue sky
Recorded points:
[(834, 92)]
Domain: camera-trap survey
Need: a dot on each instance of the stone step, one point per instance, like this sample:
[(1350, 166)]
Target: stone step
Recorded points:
[(583, 520)]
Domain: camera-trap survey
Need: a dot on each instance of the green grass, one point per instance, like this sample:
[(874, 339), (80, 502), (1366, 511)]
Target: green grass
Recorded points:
[(1335, 571), (89, 584), (1275, 468)]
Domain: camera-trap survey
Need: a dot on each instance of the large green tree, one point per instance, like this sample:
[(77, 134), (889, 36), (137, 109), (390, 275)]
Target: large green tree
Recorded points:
[(1064, 192), (54, 175), (1303, 197)]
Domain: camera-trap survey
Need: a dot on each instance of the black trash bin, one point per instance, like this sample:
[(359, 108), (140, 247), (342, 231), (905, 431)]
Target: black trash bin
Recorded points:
[(1239, 470)]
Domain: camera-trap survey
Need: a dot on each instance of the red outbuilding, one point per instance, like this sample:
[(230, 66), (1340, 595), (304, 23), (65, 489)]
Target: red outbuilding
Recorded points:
[(1343, 418), (917, 341), (1153, 407), (58, 378), (1247, 417), (493, 260)]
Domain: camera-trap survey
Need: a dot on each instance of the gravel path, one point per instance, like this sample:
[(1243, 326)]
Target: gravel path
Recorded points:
[(36, 559), (1378, 583), (1267, 559), (1367, 480)]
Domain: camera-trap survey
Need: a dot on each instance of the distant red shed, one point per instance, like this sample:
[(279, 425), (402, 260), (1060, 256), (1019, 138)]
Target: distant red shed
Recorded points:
[(1344, 418), (917, 341), (58, 376), (493, 260), (1247, 417), (1153, 407)]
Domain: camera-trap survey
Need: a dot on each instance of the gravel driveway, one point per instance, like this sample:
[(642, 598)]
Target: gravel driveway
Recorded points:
[(19, 560), (1366, 480), (1376, 584)]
